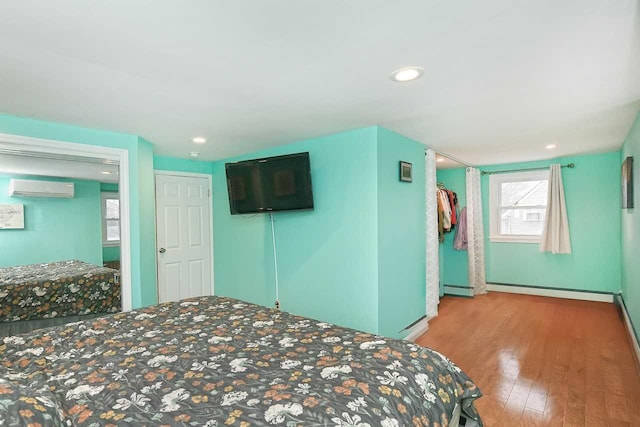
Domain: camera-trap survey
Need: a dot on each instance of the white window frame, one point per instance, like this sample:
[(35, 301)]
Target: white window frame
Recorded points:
[(104, 196), (495, 182)]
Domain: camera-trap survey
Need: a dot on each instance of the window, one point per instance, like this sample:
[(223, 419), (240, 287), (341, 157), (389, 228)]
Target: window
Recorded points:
[(532, 216), (518, 202), (110, 219)]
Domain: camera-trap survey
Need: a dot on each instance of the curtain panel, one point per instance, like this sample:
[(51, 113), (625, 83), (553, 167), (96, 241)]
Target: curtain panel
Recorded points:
[(433, 262), (475, 233), (555, 234)]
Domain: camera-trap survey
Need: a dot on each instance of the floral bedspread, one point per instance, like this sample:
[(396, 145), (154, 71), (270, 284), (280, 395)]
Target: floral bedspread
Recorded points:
[(57, 289), (216, 361)]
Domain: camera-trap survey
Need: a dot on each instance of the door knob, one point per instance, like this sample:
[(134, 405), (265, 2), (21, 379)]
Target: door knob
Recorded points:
[(162, 250)]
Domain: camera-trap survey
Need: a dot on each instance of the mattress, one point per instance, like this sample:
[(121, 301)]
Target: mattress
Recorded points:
[(218, 361), (58, 289)]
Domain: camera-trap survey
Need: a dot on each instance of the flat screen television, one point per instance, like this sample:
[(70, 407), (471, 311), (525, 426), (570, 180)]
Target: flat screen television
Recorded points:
[(271, 184)]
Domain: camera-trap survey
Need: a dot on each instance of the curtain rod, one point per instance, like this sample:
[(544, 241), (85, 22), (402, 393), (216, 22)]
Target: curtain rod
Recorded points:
[(568, 165)]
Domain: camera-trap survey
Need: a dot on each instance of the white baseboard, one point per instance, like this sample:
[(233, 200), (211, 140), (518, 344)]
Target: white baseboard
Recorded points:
[(554, 293), (632, 335), (416, 330)]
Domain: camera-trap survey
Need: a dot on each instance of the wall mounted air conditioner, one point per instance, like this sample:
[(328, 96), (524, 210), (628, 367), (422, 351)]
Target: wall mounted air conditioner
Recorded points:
[(32, 188)]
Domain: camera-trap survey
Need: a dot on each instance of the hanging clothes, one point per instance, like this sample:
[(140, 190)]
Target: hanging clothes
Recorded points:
[(452, 202), (440, 217), (446, 209), (460, 240)]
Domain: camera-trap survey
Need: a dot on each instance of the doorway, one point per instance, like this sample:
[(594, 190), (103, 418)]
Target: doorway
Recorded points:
[(184, 225)]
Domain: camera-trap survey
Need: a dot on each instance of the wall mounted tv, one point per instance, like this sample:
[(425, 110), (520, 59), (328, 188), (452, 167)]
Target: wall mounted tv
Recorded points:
[(271, 184)]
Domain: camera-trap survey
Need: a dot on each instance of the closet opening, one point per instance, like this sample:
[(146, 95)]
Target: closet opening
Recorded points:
[(452, 230)]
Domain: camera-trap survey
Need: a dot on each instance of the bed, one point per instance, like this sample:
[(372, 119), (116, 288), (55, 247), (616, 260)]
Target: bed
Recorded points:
[(217, 361), (32, 296)]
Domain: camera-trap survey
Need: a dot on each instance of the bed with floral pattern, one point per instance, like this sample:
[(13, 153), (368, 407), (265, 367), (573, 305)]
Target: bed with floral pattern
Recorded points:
[(217, 361), (57, 289)]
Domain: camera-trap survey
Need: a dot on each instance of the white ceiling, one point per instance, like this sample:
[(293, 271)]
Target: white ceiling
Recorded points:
[(443, 162), (502, 78)]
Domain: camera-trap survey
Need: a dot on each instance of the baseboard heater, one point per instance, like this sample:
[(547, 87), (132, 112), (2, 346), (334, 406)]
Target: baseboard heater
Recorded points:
[(631, 329), (548, 291), (458, 291), (416, 329), (413, 324)]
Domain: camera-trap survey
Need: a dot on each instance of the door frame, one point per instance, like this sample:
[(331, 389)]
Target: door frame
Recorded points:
[(52, 146), (209, 178)]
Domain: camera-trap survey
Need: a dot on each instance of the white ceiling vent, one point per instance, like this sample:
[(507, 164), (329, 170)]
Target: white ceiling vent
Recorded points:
[(32, 188)]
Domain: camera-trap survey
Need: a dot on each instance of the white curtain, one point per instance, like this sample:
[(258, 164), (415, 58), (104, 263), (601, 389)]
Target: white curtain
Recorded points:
[(555, 235), (433, 263), (475, 233)]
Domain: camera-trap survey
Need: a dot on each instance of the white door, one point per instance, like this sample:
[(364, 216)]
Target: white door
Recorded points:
[(183, 212)]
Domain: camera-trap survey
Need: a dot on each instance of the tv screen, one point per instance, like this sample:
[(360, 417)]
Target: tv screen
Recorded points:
[(271, 184)]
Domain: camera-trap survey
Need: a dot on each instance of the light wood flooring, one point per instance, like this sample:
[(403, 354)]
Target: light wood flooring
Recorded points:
[(541, 361)]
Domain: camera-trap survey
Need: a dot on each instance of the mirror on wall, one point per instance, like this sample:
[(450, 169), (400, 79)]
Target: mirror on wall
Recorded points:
[(59, 239), (82, 224)]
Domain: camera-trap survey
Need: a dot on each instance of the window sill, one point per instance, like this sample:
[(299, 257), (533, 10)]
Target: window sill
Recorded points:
[(515, 239), (110, 244)]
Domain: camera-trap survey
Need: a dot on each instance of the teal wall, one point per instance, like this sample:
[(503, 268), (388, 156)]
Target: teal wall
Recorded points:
[(357, 259), (592, 192), (401, 234), (181, 165), (327, 258), (110, 253), (144, 236), (141, 190), (108, 187), (55, 229), (631, 231), (454, 263)]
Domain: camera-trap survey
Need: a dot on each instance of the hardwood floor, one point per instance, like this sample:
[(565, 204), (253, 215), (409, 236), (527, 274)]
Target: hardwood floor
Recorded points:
[(541, 361)]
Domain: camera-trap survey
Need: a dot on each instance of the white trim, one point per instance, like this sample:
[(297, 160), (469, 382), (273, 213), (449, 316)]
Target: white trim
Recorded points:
[(210, 184), (553, 293), (627, 322), (417, 330), (120, 155), (53, 146)]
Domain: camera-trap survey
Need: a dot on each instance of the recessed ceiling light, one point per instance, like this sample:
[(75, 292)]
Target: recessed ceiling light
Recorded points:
[(407, 74), (194, 154), (199, 139), (550, 146), (440, 159), (105, 172)]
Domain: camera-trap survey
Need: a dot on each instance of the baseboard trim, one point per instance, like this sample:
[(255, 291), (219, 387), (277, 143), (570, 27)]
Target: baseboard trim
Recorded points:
[(417, 330), (632, 332), (553, 293)]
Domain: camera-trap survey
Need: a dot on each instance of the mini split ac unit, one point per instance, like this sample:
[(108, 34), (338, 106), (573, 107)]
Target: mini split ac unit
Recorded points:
[(32, 188)]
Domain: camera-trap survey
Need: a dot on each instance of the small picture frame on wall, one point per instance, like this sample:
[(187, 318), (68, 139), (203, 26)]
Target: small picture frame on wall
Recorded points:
[(405, 172), (627, 183), (11, 217)]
